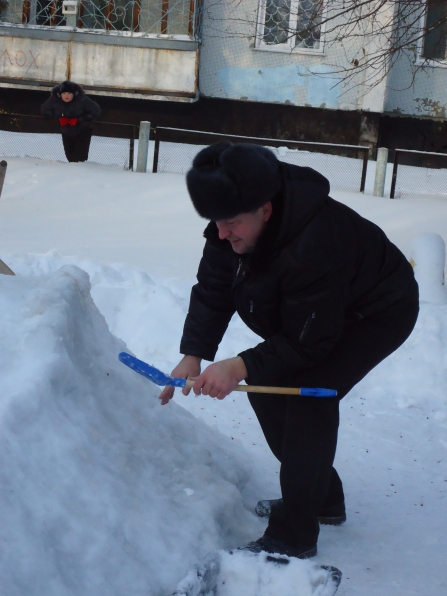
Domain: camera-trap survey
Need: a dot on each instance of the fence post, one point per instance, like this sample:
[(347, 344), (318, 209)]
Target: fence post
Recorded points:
[(3, 166), (364, 168), (379, 180), (143, 146), (156, 150), (394, 177), (132, 148)]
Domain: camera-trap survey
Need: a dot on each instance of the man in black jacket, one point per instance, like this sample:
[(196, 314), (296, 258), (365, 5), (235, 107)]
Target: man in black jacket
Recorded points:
[(328, 293), (75, 112)]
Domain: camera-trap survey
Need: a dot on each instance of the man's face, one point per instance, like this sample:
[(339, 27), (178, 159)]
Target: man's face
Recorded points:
[(66, 96), (243, 231)]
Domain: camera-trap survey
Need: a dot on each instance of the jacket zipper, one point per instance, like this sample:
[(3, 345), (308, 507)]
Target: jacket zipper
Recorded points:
[(239, 268), (306, 326), (251, 305)]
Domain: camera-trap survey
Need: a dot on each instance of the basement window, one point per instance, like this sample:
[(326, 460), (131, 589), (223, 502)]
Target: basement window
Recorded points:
[(288, 25)]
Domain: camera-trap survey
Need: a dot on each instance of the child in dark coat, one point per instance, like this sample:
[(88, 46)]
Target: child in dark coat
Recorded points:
[(75, 111)]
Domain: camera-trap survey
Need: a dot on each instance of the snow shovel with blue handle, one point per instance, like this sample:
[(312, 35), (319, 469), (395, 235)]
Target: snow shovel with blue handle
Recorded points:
[(160, 378)]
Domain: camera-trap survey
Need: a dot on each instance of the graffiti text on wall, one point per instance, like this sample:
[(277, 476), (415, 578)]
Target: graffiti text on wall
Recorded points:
[(19, 59)]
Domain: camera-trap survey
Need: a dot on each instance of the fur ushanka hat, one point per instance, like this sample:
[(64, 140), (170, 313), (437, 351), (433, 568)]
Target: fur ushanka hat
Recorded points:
[(226, 180)]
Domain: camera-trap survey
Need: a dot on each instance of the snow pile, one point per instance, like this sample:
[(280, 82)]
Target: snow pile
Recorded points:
[(236, 573), (103, 491), (428, 258), (146, 311), (251, 575)]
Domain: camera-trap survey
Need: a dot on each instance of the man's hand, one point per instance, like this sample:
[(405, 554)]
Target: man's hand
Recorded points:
[(189, 366), (221, 378)]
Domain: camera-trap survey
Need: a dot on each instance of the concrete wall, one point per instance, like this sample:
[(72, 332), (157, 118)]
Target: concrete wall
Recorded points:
[(277, 121), (114, 67), (414, 90), (231, 67)]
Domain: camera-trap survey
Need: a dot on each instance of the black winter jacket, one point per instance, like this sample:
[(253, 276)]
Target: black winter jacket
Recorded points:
[(317, 265), (81, 107)]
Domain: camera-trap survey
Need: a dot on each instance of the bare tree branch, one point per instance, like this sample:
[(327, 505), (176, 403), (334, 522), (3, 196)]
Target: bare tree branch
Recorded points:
[(372, 34)]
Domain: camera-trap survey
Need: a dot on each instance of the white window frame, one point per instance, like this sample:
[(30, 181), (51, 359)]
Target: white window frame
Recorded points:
[(420, 60), (286, 47)]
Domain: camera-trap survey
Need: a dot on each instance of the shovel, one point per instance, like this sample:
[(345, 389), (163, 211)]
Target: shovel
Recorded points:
[(160, 378)]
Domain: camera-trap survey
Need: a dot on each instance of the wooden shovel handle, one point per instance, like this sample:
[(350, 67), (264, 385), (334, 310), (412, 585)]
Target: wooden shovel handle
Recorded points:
[(260, 389)]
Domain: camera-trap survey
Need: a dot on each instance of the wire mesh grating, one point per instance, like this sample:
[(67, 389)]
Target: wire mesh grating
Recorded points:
[(418, 175), (26, 136), (176, 155)]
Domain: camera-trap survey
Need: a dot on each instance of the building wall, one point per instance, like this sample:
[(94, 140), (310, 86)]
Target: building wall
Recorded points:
[(415, 86), (108, 62), (414, 90), (231, 67), (210, 115)]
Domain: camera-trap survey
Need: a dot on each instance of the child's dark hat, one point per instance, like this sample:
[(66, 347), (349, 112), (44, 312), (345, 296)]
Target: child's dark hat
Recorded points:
[(67, 87)]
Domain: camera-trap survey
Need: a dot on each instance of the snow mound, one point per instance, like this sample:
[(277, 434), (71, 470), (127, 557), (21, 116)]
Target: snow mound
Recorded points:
[(146, 311), (103, 491), (428, 258), (233, 573)]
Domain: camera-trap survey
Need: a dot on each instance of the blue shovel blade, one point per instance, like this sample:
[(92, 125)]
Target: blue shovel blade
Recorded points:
[(150, 372)]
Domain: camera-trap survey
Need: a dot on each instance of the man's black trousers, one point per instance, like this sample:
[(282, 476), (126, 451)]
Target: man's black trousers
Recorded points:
[(302, 431), (77, 146)]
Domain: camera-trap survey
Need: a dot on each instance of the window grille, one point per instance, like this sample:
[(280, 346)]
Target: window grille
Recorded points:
[(158, 17), (276, 21), (289, 24), (308, 25)]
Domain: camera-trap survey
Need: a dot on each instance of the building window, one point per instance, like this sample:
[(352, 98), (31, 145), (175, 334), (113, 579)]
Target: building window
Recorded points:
[(435, 30), (166, 17), (288, 24)]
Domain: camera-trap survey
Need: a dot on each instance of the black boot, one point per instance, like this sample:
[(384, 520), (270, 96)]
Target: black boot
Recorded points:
[(334, 515), (273, 546)]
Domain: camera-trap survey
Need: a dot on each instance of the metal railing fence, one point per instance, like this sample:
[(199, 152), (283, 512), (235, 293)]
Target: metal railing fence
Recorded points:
[(344, 165), (419, 174), (35, 136), (131, 17)]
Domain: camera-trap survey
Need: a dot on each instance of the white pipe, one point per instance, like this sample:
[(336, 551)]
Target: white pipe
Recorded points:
[(143, 146), (379, 180)]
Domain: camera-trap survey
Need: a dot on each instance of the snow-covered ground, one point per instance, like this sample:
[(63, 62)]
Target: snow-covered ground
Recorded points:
[(106, 492)]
